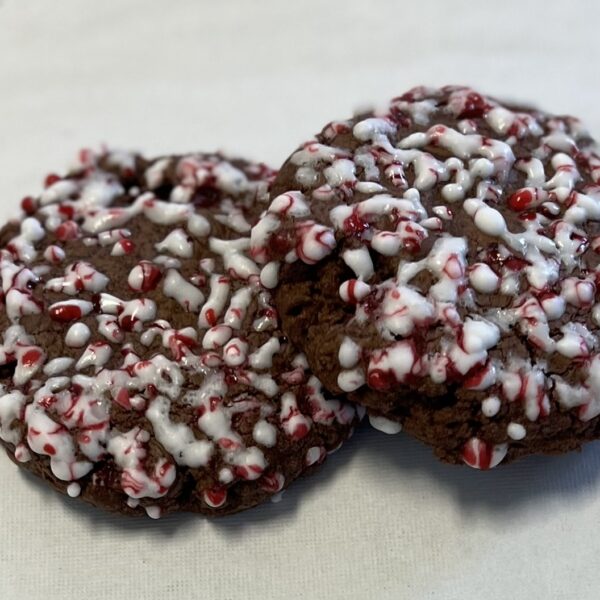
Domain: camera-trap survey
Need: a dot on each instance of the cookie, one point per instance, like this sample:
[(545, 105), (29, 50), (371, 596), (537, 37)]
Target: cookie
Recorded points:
[(438, 263), (143, 368)]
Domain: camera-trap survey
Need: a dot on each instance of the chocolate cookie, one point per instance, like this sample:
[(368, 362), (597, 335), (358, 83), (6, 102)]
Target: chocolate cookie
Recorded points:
[(143, 367), (438, 262)]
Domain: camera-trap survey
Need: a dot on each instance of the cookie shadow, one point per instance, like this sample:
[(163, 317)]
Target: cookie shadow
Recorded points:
[(101, 520), (321, 481), (395, 458), (524, 483)]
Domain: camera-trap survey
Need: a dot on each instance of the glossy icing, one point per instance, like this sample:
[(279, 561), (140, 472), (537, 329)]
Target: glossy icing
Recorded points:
[(220, 369), (398, 184)]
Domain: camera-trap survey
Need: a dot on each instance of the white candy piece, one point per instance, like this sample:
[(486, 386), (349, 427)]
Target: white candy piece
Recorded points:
[(349, 353), (490, 407), (78, 335), (385, 425), (516, 431), (483, 279)]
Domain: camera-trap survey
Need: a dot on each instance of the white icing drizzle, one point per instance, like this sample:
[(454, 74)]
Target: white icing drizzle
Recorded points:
[(177, 438), (187, 295), (532, 248), (177, 243), (221, 369)]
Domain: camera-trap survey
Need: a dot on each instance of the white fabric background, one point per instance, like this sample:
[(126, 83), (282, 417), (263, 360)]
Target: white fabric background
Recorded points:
[(382, 519)]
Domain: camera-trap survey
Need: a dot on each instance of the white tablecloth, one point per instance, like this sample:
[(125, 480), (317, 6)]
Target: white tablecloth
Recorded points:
[(383, 519)]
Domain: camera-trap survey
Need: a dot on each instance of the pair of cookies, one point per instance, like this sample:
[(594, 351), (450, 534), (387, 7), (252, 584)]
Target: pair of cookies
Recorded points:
[(194, 333)]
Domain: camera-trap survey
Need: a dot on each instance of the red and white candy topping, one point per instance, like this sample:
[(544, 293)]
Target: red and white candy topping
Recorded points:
[(403, 183), (188, 394)]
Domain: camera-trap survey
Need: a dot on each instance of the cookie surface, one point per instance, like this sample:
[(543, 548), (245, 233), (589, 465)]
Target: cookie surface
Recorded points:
[(438, 262), (143, 367)]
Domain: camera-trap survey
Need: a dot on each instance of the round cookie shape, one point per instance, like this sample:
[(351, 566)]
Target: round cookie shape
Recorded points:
[(143, 367), (438, 262)]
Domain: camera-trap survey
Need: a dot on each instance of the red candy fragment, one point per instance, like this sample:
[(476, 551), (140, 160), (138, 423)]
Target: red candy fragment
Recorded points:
[(211, 317), (51, 179), (49, 449), (272, 482), (123, 399), (476, 377), (69, 230), (29, 205), (354, 225), (249, 472), (299, 431), (67, 210), (31, 357), (475, 107), (65, 313), (381, 380), (483, 455), (127, 246), (521, 200), (215, 497), (150, 276)]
